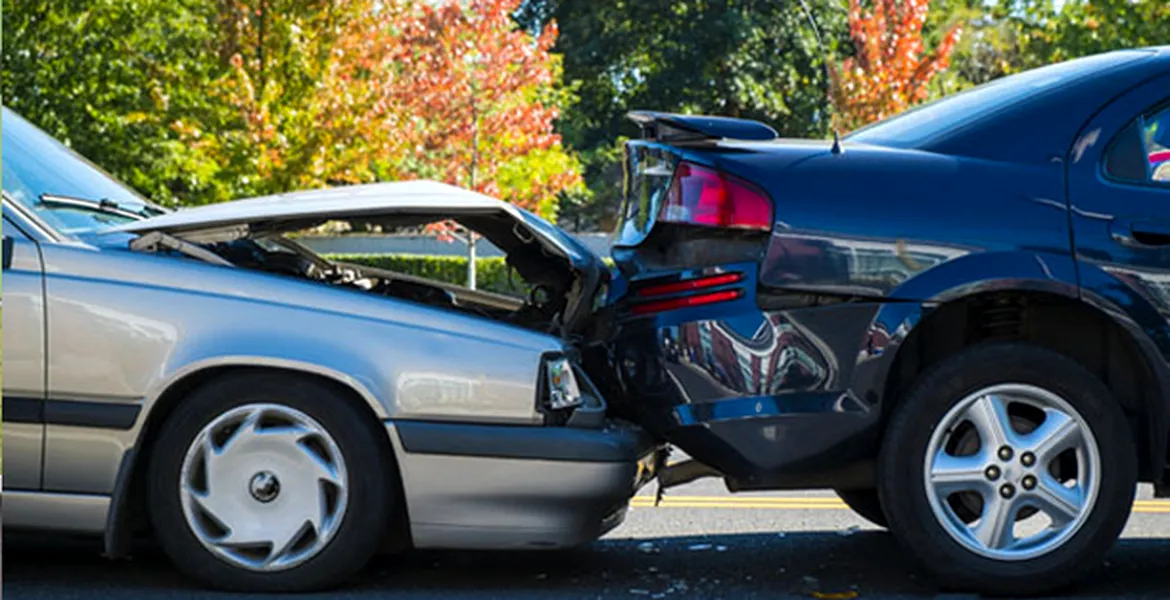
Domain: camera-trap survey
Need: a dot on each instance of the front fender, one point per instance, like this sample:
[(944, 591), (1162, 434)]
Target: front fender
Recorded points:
[(354, 375), (401, 370)]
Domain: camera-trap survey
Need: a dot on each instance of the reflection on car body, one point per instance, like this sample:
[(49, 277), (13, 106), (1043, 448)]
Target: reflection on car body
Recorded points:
[(956, 317)]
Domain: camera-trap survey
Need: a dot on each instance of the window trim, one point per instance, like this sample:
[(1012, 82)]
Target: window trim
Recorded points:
[(33, 226), (12, 229), (1162, 106)]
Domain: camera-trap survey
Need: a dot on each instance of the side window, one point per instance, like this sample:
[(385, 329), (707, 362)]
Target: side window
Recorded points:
[(1157, 139), (1141, 152)]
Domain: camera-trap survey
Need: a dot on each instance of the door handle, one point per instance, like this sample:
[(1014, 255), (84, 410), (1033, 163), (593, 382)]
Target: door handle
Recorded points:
[(1150, 233), (1139, 232), (7, 253)]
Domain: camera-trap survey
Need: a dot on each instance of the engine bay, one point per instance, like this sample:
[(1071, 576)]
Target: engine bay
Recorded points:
[(559, 282), (541, 309)]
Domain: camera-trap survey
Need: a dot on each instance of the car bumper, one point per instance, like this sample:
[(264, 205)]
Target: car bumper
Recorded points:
[(518, 487), (769, 398)]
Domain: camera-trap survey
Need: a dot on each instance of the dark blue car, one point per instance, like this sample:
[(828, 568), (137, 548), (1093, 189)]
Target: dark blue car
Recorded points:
[(958, 318)]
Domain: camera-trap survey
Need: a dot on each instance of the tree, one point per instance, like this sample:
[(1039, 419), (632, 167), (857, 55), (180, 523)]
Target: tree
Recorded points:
[(200, 101), (1083, 27), (754, 59), (890, 70), (295, 117), (395, 90), (1009, 36), (483, 96), (108, 78)]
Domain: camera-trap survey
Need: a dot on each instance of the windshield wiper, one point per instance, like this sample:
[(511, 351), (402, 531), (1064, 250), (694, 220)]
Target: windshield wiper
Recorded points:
[(105, 205)]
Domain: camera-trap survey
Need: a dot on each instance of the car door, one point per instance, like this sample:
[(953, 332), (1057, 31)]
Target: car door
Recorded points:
[(1120, 209), (23, 330)]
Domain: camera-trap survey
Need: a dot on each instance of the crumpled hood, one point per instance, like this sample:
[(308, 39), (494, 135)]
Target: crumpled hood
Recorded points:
[(402, 203)]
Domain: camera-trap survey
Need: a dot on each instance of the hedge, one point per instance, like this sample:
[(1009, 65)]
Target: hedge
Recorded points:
[(491, 273)]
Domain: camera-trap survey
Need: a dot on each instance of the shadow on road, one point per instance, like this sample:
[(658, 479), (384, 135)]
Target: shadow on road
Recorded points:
[(726, 566)]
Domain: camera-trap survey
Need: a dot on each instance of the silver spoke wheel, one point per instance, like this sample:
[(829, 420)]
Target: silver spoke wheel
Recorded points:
[(264, 487), (1012, 472)]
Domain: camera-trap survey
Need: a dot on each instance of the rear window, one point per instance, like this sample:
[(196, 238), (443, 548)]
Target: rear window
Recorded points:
[(929, 121), (648, 172)]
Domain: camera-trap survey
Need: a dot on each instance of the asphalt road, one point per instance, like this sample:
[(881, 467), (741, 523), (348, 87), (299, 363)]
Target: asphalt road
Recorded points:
[(702, 543)]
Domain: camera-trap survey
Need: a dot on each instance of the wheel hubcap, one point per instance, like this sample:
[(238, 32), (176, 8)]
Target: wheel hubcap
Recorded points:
[(264, 487), (1027, 486)]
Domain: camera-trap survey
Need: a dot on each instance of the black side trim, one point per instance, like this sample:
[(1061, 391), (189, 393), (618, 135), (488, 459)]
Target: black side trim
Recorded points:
[(101, 415), (23, 410), (119, 534), (612, 444)]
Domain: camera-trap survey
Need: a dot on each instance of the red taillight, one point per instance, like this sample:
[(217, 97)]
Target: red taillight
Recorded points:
[(690, 285), (686, 301), (703, 196)]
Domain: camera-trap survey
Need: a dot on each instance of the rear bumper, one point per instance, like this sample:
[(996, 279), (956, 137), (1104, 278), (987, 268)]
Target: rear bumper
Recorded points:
[(771, 398), (518, 487)]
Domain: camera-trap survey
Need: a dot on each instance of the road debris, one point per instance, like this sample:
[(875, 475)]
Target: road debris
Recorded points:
[(850, 595)]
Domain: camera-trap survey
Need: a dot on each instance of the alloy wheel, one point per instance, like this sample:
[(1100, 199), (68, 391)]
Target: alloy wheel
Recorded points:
[(1028, 484)]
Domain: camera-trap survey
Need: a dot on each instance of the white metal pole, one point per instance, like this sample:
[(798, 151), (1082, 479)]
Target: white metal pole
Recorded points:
[(471, 239)]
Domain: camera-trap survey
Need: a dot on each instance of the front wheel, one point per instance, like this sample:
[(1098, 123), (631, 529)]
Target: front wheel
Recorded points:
[(270, 483), (1008, 469)]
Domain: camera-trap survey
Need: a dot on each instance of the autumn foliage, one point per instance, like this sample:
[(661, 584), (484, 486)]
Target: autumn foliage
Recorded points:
[(363, 91), (891, 69)]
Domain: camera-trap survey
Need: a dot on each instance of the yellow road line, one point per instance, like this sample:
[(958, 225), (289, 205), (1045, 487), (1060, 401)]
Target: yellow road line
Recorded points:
[(1141, 506)]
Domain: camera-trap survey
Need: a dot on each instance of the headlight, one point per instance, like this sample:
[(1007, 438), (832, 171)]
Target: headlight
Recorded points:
[(561, 381)]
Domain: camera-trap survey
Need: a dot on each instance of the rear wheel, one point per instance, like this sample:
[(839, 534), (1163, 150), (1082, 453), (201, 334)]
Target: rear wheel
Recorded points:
[(1008, 469), (270, 483), (866, 504)]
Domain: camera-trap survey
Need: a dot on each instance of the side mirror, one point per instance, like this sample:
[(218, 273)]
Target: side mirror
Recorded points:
[(7, 253)]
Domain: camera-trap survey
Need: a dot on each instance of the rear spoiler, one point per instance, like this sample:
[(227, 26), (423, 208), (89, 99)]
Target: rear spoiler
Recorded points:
[(675, 128)]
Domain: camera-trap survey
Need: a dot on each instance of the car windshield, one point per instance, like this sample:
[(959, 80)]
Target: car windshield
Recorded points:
[(919, 125), (64, 189)]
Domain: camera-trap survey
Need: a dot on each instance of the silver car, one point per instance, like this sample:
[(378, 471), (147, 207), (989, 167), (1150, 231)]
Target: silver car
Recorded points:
[(273, 418)]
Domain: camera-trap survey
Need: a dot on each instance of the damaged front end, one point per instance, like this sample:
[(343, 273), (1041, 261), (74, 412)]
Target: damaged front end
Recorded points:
[(561, 280)]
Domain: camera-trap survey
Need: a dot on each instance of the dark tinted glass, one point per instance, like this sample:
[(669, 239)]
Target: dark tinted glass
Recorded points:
[(1127, 156), (1141, 152)]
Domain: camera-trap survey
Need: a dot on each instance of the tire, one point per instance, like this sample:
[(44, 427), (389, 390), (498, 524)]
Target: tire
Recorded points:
[(924, 518), (354, 453), (866, 504)]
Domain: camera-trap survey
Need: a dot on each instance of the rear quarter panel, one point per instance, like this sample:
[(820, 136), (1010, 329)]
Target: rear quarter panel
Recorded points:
[(872, 219), (894, 232)]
